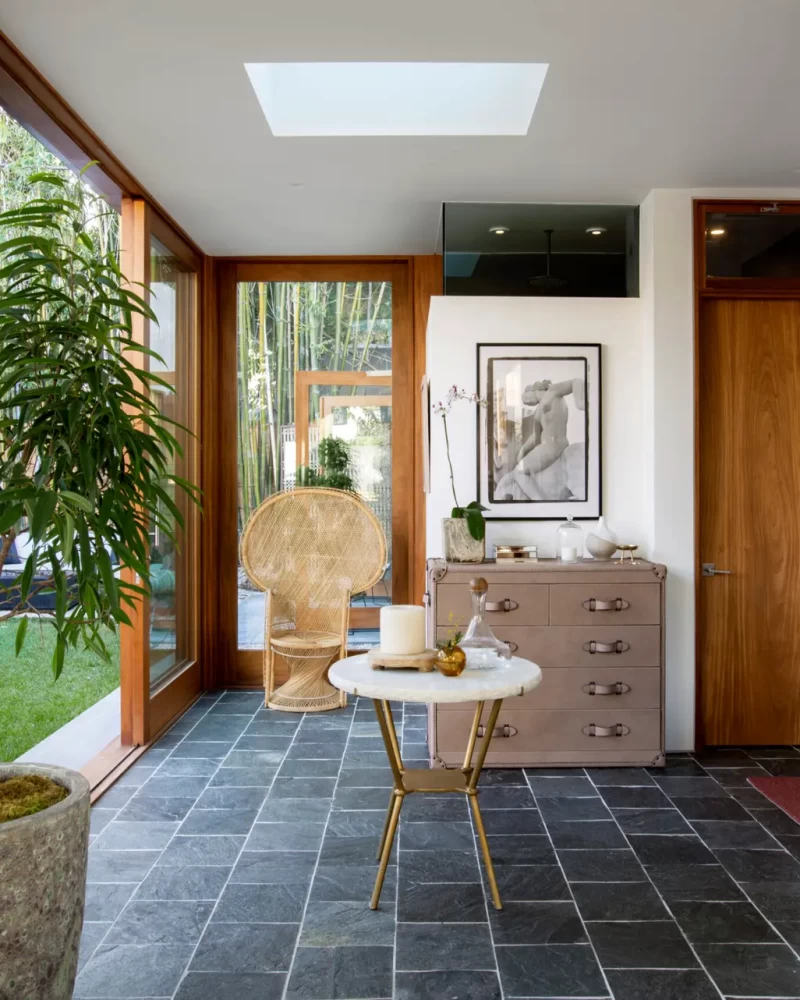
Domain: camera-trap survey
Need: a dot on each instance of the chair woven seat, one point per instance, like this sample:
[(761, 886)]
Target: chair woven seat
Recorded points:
[(310, 550)]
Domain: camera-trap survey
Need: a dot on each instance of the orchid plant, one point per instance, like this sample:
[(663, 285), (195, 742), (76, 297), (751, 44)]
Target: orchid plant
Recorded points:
[(473, 512)]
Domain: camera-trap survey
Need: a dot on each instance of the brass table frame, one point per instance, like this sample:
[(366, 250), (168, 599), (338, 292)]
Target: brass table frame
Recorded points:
[(407, 782)]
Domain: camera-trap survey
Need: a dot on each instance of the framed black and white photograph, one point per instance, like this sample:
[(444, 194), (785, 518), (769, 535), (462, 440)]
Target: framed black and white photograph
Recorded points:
[(539, 434)]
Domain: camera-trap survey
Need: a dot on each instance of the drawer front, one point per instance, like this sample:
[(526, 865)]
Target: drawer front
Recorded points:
[(590, 688), (587, 731), (514, 604), (583, 646), (605, 604)]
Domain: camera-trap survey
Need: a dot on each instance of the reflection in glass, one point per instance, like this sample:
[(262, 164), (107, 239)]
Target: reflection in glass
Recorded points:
[(763, 245)]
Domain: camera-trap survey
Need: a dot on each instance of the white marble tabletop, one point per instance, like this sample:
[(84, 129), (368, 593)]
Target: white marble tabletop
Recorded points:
[(355, 676)]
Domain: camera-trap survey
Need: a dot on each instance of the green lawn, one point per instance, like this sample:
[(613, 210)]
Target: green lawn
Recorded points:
[(32, 704)]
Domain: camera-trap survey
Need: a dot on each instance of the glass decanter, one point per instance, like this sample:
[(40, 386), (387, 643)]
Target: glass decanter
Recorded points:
[(570, 541), (483, 649)]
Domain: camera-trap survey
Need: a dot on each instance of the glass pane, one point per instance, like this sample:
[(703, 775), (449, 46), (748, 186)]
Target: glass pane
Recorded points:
[(285, 327), (766, 245), (172, 289)]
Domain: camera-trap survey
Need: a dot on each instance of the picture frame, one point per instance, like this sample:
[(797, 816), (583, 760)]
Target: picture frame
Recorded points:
[(540, 435)]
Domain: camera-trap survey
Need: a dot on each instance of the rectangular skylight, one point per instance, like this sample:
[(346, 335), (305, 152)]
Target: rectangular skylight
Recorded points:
[(400, 98)]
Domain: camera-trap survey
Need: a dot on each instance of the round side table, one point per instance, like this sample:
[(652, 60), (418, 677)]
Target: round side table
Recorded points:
[(513, 678)]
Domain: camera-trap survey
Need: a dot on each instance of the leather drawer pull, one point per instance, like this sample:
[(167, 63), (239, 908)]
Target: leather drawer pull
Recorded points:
[(511, 645), (505, 605), (506, 731), (593, 730), (605, 689), (594, 605), (606, 647)]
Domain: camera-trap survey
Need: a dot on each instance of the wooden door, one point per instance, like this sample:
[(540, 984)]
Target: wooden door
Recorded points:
[(748, 413)]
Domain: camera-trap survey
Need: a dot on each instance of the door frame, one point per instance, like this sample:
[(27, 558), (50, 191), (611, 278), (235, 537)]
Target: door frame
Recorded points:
[(236, 667), (721, 288)]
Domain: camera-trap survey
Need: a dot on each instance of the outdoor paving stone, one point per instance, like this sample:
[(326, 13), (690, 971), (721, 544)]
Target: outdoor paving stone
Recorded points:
[(122, 835), (641, 945), (148, 810), (106, 901), (238, 985), (232, 798), (720, 923), (656, 849), (133, 971), (184, 882), (471, 985), (423, 947), (341, 922), (303, 836), (100, 818), (208, 821), (346, 972), (556, 787), (661, 984), (302, 788), (261, 904), (245, 948), (136, 775), (425, 836), (275, 867), (550, 971), (601, 866), (294, 810), (244, 777), (354, 883), (160, 922), (536, 923), (759, 866), (693, 882), (721, 833), (462, 902), (742, 970), (564, 809), (120, 866), (618, 901), (620, 776), (530, 883), (174, 787), (202, 850), (591, 835), (512, 820), (116, 797), (634, 797), (661, 821)]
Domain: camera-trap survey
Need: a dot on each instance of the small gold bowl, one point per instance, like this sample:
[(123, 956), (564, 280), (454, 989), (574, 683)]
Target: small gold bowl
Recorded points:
[(451, 663)]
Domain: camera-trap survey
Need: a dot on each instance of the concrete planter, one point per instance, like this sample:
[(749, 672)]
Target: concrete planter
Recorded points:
[(42, 889), (458, 543)]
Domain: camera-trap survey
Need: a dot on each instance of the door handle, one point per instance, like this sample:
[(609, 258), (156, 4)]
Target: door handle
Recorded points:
[(504, 605), (505, 732), (710, 569)]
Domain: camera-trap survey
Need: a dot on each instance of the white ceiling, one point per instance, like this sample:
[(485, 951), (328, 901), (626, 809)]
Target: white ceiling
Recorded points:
[(639, 94)]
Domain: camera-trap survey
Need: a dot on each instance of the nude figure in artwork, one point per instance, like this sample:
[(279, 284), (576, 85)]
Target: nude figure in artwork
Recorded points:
[(548, 466)]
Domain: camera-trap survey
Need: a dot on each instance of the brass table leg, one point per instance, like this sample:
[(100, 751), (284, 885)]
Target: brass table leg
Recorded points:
[(389, 734), (472, 792)]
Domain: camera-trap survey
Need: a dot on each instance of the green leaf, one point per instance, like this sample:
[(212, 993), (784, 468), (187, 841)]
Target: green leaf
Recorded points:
[(475, 523), (78, 500), (22, 629), (58, 655), (43, 509)]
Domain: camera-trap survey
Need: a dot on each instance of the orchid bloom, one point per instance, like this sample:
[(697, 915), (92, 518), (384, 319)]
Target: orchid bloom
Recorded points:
[(442, 408)]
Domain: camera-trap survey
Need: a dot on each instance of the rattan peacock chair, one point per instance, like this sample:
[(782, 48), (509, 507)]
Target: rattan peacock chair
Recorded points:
[(310, 550)]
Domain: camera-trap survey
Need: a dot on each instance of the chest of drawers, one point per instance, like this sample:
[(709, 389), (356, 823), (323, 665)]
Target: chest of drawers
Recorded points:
[(597, 631)]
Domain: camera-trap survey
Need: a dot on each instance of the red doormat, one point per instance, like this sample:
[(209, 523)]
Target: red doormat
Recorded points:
[(784, 792)]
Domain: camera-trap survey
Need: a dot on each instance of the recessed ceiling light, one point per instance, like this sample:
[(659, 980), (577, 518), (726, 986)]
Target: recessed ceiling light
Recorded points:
[(596, 230), (397, 98), (499, 230), (717, 231)]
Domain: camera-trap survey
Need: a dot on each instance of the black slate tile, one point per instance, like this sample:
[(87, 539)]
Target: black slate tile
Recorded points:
[(661, 821), (261, 904), (358, 823), (452, 808), (596, 834), (736, 777), (294, 811), (656, 849), (232, 798), (722, 757), (365, 777), (120, 866), (641, 945), (460, 902), (241, 985), (550, 971), (759, 866), (427, 947), (777, 822), (362, 798), (531, 882), (693, 787), (172, 787), (244, 777), (661, 984), (678, 765), (106, 902), (506, 797), (275, 867), (766, 970), (722, 833), (189, 767), (116, 797), (620, 776), (309, 769), (302, 836), (334, 923), (207, 750), (133, 971), (202, 850), (536, 923), (720, 923), (160, 922), (514, 820), (258, 741), (690, 882), (352, 850), (618, 901), (494, 776), (440, 866), (565, 809), (774, 753), (712, 809), (750, 798), (125, 835), (544, 787), (333, 883), (148, 810), (778, 901), (220, 727), (789, 768), (245, 948), (790, 930), (436, 836), (601, 866), (184, 882), (210, 821), (342, 972), (626, 797), (302, 788), (453, 985), (92, 933), (100, 818), (554, 772), (521, 849)]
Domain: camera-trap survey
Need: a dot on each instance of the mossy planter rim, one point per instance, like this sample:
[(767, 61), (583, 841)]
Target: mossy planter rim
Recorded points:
[(73, 781)]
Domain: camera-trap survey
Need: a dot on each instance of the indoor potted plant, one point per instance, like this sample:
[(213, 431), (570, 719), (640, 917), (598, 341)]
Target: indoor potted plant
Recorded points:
[(85, 462), (464, 532)]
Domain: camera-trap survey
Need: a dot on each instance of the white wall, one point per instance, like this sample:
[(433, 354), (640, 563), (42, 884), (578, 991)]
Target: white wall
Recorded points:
[(456, 324)]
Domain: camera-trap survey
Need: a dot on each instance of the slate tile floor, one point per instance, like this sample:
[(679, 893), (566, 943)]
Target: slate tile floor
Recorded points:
[(236, 858)]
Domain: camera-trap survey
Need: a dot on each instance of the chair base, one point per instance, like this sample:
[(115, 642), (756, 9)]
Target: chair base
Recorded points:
[(308, 657)]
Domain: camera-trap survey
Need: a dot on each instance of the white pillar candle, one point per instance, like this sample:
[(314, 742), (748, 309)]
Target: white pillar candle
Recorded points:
[(402, 629), (569, 553)]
